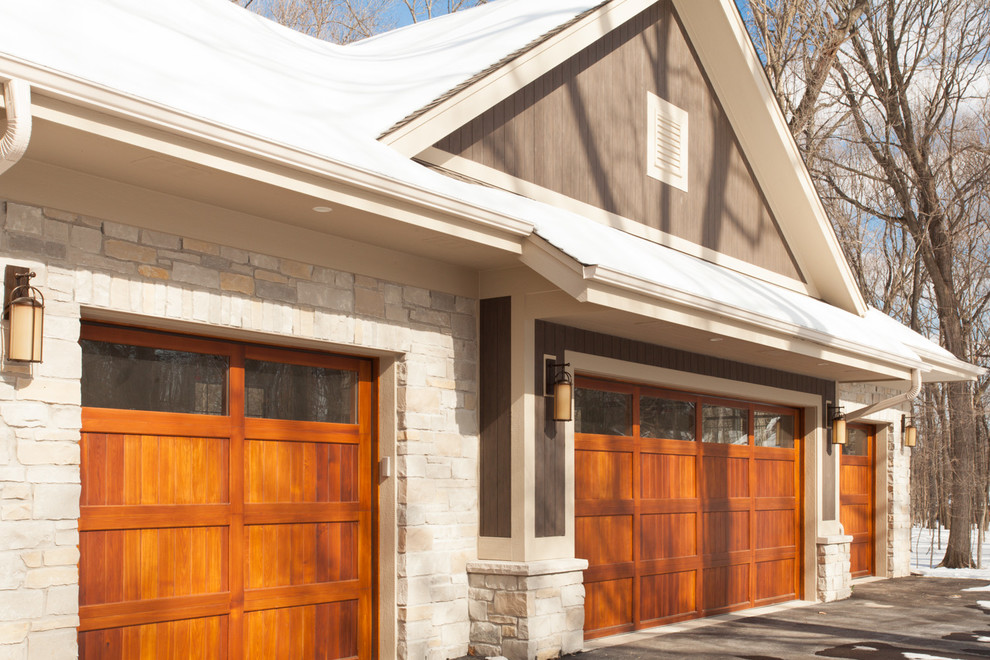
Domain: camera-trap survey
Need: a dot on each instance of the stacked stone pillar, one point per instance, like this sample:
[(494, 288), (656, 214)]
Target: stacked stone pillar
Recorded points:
[(524, 610)]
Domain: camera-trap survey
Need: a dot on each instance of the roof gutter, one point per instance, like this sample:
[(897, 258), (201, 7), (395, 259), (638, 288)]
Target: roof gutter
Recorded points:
[(17, 103), (910, 395)]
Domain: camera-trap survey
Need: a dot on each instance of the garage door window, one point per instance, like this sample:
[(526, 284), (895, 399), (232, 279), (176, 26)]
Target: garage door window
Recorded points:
[(725, 425), (773, 429), (601, 412), (275, 390), (666, 418), (129, 377)]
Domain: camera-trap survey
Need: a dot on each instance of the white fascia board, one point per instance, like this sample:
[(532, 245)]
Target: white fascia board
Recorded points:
[(425, 130), (944, 371), (726, 51), (87, 106), (747, 317), (494, 177), (608, 288)]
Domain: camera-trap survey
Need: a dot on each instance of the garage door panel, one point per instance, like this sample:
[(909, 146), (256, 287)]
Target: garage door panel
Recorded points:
[(860, 556), (603, 475), (279, 471), (669, 477), (857, 518), (668, 536), (128, 565), (327, 630), (118, 469), (725, 476), (726, 531), (605, 539), (667, 596), (196, 639), (774, 579), (725, 586), (774, 478), (856, 479), (608, 606), (284, 555), (775, 529)]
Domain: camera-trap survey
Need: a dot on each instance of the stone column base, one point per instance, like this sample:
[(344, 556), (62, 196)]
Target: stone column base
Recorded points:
[(833, 580), (526, 610)]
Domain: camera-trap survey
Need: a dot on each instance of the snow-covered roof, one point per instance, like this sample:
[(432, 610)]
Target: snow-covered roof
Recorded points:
[(212, 60)]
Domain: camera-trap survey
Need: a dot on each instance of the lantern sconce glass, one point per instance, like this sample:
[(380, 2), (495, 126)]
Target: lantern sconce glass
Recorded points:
[(25, 312), (909, 432), (563, 391), (838, 422)]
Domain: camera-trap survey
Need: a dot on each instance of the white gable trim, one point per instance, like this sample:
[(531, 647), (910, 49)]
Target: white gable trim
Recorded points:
[(491, 176), (716, 31), (425, 130), (719, 36)]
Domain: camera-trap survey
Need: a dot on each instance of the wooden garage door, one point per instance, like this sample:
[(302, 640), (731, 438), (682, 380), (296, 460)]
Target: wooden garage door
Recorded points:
[(856, 513), (686, 506), (227, 506)]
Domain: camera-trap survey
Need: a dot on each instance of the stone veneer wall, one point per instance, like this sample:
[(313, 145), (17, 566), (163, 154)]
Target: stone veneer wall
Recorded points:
[(832, 579), (523, 610), (87, 262), (898, 470)]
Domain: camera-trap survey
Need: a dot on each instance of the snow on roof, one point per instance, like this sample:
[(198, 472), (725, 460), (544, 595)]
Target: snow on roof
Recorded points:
[(213, 60), (188, 53)]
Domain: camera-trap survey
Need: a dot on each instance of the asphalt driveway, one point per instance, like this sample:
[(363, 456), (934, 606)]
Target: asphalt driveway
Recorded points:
[(911, 618)]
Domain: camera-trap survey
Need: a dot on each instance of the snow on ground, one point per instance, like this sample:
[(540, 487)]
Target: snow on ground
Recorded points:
[(927, 552)]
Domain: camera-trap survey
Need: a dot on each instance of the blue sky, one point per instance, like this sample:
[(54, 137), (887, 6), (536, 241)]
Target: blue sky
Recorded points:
[(402, 17)]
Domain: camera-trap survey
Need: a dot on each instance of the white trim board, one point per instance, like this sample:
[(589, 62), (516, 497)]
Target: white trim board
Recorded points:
[(492, 176)]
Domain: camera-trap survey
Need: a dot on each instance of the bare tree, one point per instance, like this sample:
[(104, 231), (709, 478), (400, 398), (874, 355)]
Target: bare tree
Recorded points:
[(895, 130), (344, 21), (421, 10)]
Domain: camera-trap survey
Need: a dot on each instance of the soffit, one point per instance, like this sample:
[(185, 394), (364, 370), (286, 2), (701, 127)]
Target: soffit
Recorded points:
[(357, 215)]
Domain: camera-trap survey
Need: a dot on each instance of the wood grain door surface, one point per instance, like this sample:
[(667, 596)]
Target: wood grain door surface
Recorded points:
[(857, 469), (676, 528), (222, 535)]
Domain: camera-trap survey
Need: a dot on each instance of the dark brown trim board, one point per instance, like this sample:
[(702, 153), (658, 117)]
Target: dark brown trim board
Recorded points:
[(494, 417)]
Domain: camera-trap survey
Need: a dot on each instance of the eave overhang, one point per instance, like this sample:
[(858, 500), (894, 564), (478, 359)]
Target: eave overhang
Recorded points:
[(112, 115), (768, 338)]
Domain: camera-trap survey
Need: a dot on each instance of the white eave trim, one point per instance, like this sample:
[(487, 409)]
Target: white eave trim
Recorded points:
[(608, 287), (619, 280), (94, 97)]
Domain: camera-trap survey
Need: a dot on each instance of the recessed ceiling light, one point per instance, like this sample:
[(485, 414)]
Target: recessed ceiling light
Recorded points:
[(322, 209), (717, 339)]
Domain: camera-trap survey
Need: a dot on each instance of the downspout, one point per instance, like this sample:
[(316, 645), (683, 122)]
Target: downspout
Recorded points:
[(14, 142), (910, 395)]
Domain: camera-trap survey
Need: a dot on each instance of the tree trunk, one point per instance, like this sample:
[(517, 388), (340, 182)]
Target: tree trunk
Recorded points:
[(959, 552)]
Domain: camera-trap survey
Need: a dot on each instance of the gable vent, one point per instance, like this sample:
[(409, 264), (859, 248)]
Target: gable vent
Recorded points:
[(667, 150)]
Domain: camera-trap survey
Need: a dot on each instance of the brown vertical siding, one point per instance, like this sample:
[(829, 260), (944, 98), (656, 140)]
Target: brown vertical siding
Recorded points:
[(554, 339), (581, 130), (495, 491)]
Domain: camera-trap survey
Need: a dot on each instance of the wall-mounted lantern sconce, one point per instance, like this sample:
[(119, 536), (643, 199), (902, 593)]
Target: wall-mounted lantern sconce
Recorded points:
[(25, 310), (838, 421), (563, 391), (909, 432)]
